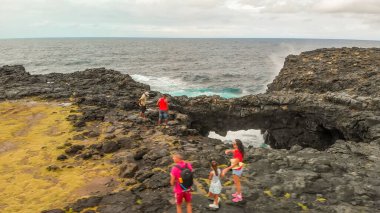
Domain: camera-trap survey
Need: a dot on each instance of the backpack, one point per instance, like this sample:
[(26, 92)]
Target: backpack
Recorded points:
[(186, 179)]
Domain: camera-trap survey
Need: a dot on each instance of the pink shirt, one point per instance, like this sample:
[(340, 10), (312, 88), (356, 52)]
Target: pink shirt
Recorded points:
[(177, 174)]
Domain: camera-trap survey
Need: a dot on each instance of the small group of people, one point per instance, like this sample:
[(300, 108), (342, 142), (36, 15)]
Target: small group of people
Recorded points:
[(181, 173), (163, 107)]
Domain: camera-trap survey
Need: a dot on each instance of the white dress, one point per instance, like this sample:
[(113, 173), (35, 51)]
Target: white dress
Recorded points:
[(216, 185)]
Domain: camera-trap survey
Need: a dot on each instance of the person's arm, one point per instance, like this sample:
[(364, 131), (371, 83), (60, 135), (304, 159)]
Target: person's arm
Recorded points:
[(228, 151), (210, 175), (172, 179), (158, 102)]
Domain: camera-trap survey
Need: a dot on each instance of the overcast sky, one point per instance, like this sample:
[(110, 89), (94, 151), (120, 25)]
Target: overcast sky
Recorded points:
[(347, 19)]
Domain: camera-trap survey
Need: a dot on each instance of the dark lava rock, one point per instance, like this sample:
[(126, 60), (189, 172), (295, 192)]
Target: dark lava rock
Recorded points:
[(84, 203), (120, 202), (52, 168), (139, 154), (130, 182), (109, 136), (91, 134), (67, 144), (127, 143), (87, 155), (143, 174), (62, 157), (74, 149), (128, 170), (158, 180), (153, 155), (89, 211), (79, 137), (110, 146), (153, 202)]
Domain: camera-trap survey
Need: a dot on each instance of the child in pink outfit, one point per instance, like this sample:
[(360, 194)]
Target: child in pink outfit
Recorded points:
[(179, 193)]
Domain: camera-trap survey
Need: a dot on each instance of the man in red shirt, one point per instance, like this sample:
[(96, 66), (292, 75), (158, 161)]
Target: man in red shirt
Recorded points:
[(163, 107), (175, 175)]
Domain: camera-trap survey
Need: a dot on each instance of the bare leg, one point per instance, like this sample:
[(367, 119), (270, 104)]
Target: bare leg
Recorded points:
[(179, 208), (237, 184), (216, 199), (189, 207)]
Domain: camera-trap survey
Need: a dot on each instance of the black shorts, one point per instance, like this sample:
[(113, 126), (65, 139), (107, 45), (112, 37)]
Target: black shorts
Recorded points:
[(143, 109)]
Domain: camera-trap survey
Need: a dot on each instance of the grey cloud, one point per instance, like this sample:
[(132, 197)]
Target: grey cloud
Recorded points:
[(189, 18), (316, 6), (349, 6)]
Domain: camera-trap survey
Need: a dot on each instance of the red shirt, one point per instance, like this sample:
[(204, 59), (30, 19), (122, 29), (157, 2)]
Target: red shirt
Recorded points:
[(238, 155), (177, 174), (163, 104)]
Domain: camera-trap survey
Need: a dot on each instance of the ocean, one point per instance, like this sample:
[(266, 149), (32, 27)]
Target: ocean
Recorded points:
[(226, 67)]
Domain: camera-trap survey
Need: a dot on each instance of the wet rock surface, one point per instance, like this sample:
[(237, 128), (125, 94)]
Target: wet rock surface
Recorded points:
[(321, 113)]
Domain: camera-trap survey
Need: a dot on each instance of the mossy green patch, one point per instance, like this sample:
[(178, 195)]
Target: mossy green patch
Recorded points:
[(303, 207), (268, 193), (29, 134), (287, 195), (228, 183), (321, 199)]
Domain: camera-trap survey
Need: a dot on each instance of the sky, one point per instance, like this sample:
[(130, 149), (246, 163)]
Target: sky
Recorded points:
[(326, 19)]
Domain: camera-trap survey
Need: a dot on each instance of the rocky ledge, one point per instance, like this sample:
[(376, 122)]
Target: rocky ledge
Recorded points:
[(321, 115)]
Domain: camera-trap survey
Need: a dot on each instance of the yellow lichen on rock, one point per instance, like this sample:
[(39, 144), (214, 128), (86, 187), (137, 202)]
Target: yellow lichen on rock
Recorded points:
[(30, 133)]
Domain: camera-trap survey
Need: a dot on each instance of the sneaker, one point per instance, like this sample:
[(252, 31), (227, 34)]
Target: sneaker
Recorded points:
[(213, 206), (238, 198), (235, 194)]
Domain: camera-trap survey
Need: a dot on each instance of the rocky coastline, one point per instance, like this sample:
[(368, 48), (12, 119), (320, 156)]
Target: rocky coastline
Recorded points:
[(320, 115)]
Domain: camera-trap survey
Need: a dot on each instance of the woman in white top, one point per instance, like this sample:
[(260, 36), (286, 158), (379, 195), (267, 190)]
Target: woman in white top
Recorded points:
[(215, 185)]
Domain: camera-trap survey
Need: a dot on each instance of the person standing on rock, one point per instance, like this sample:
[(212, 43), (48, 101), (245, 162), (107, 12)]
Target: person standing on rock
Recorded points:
[(163, 107), (179, 181), (237, 167), (215, 185), (142, 104)]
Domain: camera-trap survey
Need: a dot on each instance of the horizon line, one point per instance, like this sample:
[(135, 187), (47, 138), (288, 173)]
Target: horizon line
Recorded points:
[(146, 37)]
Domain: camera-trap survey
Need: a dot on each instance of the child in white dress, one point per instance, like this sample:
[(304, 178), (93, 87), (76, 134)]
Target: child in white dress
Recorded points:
[(215, 185)]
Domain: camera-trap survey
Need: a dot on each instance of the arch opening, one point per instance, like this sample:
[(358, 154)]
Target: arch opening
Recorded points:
[(250, 137), (283, 129)]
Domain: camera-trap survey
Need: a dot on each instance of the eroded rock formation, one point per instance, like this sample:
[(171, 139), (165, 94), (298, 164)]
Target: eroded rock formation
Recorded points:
[(317, 98)]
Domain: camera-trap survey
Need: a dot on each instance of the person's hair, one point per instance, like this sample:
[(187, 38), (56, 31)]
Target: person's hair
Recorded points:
[(178, 155), (214, 166), (240, 146)]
